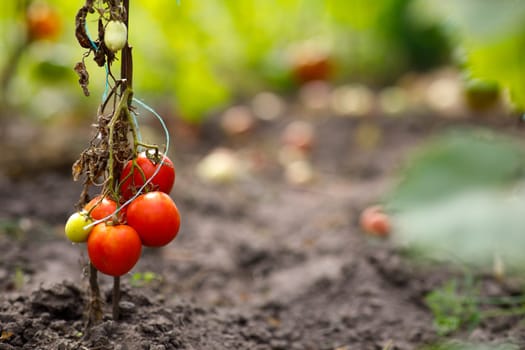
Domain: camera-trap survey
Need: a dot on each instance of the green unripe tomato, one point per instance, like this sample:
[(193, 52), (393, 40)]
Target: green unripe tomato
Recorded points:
[(76, 230), (115, 35)]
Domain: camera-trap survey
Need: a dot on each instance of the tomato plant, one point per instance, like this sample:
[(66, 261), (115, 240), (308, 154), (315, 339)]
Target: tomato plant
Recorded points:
[(114, 249), (76, 229), (155, 217), (112, 160), (139, 170)]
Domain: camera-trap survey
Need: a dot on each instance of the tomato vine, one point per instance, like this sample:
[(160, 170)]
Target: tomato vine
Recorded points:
[(127, 170), (115, 141)]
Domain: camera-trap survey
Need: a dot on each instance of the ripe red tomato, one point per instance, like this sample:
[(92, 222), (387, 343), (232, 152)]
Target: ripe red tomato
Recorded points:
[(133, 178), (373, 221), (155, 217), (310, 64), (114, 249), (99, 209), (43, 21)]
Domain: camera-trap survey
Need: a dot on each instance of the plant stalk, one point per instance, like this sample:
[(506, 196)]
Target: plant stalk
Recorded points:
[(116, 297), (126, 75), (95, 305)]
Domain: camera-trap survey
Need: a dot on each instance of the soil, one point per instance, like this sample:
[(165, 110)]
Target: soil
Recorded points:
[(258, 264)]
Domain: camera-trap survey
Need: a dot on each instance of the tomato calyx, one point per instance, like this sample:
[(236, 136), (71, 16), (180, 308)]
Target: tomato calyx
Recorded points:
[(154, 155)]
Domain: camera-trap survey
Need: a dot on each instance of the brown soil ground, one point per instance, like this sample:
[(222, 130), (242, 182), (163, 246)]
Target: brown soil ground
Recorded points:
[(258, 264)]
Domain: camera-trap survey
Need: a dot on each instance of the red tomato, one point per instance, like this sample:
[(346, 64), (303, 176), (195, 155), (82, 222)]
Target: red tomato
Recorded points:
[(373, 221), (114, 249), (101, 208), (43, 21), (163, 181), (310, 64), (155, 217)]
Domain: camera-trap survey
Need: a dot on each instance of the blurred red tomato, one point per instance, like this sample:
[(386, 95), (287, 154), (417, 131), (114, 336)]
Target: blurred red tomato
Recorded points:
[(43, 21), (373, 221)]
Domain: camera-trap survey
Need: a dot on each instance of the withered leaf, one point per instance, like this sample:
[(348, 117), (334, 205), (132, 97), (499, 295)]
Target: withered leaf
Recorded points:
[(6, 335), (100, 57), (83, 77), (77, 170), (80, 28)]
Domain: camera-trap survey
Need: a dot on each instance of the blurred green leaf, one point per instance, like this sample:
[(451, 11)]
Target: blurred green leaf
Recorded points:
[(462, 199), (465, 346), (456, 161), (477, 228), (421, 40), (52, 72), (139, 279)]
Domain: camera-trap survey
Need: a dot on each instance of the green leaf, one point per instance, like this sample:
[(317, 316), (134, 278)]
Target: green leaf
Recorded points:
[(456, 345), (471, 228), (462, 200), (455, 161)]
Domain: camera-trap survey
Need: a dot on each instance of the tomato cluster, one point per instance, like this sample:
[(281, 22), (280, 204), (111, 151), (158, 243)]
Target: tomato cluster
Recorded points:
[(127, 223)]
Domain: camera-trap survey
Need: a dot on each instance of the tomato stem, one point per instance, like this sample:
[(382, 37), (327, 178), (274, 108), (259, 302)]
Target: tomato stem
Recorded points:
[(116, 297), (121, 109), (126, 74), (95, 305), (148, 146)]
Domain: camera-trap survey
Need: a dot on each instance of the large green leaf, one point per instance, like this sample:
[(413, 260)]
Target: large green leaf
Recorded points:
[(456, 161), (456, 345), (475, 228), (462, 199)]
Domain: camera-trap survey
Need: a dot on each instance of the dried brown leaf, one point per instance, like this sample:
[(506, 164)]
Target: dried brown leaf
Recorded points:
[(6, 335), (83, 77)]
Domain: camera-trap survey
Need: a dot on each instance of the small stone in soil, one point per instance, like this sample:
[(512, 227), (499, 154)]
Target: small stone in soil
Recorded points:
[(127, 308)]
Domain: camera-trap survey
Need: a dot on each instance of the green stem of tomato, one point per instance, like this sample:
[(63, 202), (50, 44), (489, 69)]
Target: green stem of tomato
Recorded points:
[(122, 107), (134, 132), (148, 146)]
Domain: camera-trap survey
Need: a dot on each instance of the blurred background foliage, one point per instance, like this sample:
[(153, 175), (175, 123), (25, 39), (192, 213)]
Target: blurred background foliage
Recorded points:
[(490, 37), (198, 56), (459, 199)]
